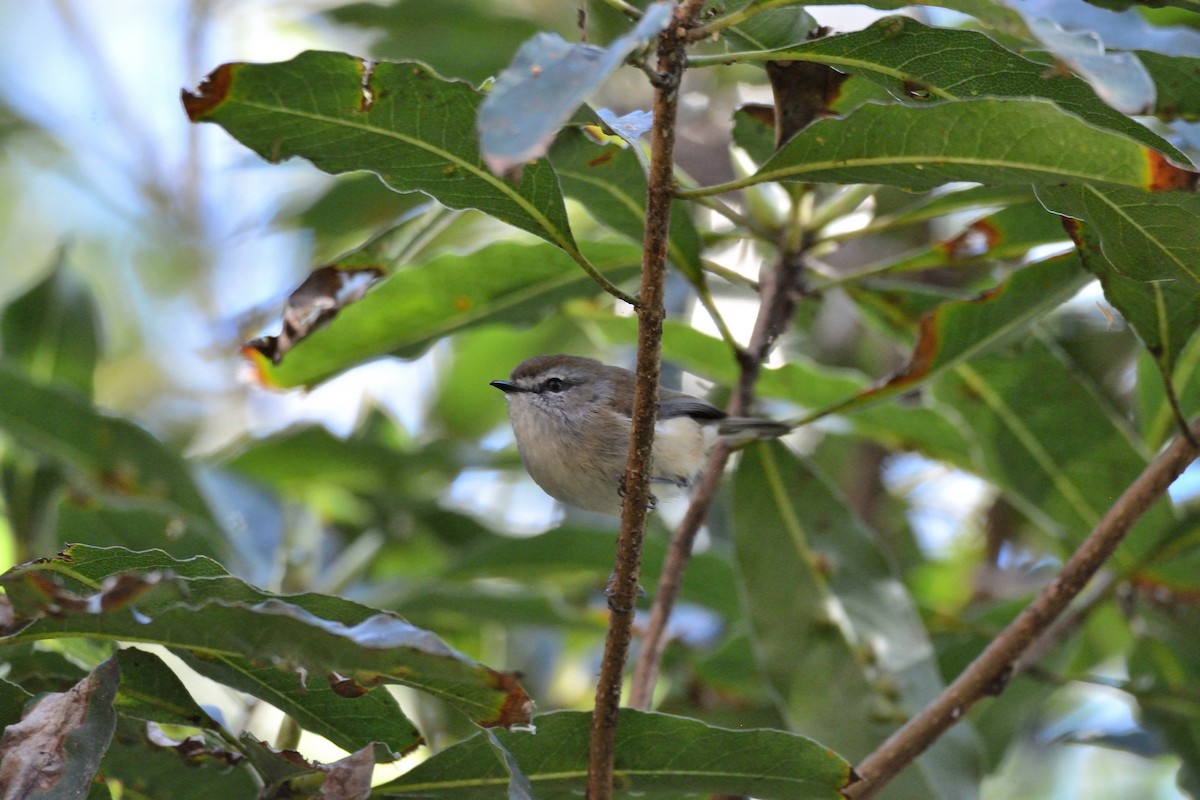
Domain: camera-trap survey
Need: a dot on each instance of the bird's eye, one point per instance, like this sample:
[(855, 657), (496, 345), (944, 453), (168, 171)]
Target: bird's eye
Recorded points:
[(555, 385)]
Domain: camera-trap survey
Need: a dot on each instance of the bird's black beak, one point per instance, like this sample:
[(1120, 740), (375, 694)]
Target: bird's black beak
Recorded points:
[(508, 387)]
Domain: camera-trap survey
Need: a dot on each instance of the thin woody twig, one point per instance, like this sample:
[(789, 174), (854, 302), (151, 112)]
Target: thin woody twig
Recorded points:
[(780, 291), (991, 670), (623, 589)]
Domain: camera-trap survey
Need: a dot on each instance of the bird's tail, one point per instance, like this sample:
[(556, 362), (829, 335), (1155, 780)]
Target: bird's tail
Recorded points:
[(745, 429)]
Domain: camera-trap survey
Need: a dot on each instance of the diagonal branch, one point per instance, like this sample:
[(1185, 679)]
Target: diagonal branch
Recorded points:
[(672, 61), (991, 670)]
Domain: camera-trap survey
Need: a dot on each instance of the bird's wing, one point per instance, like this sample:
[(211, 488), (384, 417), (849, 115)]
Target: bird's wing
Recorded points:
[(678, 404)]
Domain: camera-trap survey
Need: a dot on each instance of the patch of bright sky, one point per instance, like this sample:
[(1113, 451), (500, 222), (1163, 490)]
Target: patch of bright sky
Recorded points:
[(941, 500)]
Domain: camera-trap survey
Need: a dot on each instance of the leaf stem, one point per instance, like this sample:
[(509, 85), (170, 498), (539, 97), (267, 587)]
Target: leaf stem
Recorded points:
[(991, 670), (599, 278), (623, 589), (733, 276)]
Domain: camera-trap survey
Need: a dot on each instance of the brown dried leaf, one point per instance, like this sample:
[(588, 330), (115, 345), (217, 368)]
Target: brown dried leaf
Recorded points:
[(804, 92), (33, 756), (350, 778), (314, 303)]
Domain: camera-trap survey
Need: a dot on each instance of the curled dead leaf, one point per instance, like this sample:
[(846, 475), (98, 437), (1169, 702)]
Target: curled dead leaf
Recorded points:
[(316, 301)]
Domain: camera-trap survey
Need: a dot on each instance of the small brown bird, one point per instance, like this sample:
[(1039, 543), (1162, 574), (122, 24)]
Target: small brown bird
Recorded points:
[(571, 417)]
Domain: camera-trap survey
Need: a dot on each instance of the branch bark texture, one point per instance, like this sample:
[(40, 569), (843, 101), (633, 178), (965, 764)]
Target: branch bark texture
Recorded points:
[(672, 60), (991, 670)]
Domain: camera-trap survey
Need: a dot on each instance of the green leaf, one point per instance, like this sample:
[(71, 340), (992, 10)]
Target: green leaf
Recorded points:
[(565, 553), (769, 28), (53, 330), (193, 605), (55, 750), (1163, 667), (151, 691), (656, 756), (1008, 234), (822, 600), (475, 47), (916, 62), (154, 767), (548, 79), (1178, 92), (608, 181), (959, 330), (1164, 314), (1044, 437), (352, 722), (13, 699), (410, 310), (1144, 236), (401, 121), (1156, 416), (104, 453), (991, 141)]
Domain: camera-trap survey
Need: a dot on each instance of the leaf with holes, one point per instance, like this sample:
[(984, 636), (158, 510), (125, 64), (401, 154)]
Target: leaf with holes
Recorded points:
[(407, 312), (413, 128), (195, 606)]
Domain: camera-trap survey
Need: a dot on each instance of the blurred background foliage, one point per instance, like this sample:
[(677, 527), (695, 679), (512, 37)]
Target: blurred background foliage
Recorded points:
[(140, 251)]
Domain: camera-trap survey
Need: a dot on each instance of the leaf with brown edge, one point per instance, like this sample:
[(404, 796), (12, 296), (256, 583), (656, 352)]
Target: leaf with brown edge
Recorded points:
[(958, 330), (994, 141), (804, 92), (419, 305), (314, 303), (56, 749), (917, 63), (408, 125), (1147, 236), (211, 92), (200, 611), (1006, 234), (1167, 177)]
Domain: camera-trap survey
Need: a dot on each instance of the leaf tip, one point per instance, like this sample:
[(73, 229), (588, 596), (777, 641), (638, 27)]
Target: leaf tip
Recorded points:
[(517, 708), (1166, 177), (211, 92), (258, 366)]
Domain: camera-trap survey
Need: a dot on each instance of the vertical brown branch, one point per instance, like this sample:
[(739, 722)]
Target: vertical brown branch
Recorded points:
[(779, 291), (989, 672), (623, 589)]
